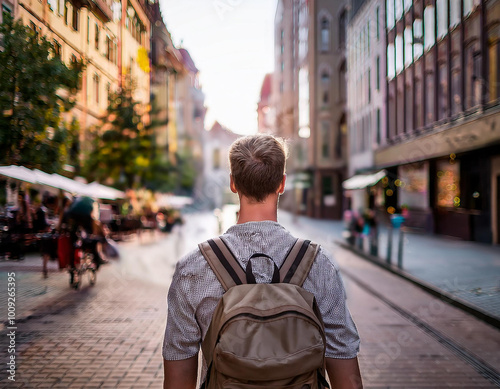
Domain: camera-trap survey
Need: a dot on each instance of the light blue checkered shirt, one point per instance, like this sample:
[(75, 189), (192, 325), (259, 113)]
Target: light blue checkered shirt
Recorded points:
[(195, 291)]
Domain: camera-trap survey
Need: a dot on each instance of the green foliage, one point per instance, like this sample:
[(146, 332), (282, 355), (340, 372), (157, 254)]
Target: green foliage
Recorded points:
[(35, 88)]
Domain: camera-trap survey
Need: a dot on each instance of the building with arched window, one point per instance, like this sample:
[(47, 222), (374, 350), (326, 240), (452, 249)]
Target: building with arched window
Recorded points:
[(310, 100)]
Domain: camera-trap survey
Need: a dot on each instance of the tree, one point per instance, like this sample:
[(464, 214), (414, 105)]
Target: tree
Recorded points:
[(123, 146), (35, 88)]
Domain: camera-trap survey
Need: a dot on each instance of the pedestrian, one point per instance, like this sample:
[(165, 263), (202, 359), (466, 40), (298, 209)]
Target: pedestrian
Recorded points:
[(257, 166)]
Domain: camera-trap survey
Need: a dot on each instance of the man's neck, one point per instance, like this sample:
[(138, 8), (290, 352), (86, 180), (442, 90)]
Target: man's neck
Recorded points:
[(252, 211)]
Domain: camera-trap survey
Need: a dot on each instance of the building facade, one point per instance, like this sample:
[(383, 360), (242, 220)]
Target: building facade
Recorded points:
[(310, 101), (442, 146), (216, 170), (366, 92), (111, 37)]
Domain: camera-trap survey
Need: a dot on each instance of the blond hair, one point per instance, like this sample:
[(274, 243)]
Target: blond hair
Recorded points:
[(257, 165)]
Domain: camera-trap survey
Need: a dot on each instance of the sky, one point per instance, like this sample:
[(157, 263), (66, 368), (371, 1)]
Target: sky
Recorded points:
[(232, 44)]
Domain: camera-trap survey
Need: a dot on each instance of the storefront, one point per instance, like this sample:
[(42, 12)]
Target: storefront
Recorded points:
[(463, 192), (412, 184)]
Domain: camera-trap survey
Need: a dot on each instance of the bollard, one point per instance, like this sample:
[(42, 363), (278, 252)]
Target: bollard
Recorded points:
[(400, 247), (389, 244), (374, 243)]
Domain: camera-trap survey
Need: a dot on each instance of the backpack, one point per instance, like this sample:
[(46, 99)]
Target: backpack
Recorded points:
[(264, 335)]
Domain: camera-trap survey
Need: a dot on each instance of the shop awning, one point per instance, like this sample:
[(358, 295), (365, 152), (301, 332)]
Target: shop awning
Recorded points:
[(38, 177), (19, 173), (361, 181), (106, 192)]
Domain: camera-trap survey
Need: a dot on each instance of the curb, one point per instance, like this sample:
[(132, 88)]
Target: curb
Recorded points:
[(429, 288)]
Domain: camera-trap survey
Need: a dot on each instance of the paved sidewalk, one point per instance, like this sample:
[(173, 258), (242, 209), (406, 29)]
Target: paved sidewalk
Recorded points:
[(468, 271), (106, 336)]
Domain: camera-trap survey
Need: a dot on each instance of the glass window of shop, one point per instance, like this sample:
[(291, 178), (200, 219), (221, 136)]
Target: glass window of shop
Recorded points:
[(413, 185), (448, 183), (390, 14)]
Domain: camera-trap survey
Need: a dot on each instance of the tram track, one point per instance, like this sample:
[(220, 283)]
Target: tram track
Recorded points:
[(482, 367)]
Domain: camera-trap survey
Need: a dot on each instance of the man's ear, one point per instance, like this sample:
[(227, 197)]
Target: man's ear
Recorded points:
[(231, 184), (281, 188)]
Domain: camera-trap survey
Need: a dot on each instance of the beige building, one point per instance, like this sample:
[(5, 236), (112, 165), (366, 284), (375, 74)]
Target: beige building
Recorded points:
[(310, 101), (112, 37)]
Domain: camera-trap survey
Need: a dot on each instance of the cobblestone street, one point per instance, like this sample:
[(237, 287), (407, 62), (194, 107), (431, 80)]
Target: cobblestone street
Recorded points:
[(110, 335)]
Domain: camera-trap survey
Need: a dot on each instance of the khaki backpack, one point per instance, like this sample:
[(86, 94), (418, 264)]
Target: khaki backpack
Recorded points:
[(264, 335)]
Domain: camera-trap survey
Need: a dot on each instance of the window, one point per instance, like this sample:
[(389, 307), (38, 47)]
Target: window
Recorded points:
[(326, 98), (96, 88), (494, 68), (282, 66), (325, 77), (88, 29), (34, 28), (60, 7), (377, 75), (52, 4), (108, 91), (96, 36), (398, 10), (325, 34), (369, 86), (454, 13), (399, 54), (407, 5), (418, 35), (76, 19), (343, 82), (378, 126), (343, 29), (390, 14), (109, 48), (473, 78), (391, 65), (325, 140), (339, 142), (66, 12), (377, 16), (429, 27), (408, 37), (5, 11), (468, 7), (442, 18), (368, 37), (57, 49)]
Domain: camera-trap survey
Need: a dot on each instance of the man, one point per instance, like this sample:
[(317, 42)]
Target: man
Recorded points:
[(258, 177)]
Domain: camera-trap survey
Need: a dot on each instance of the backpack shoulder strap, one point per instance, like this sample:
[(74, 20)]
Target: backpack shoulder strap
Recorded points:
[(222, 261), (298, 262)]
